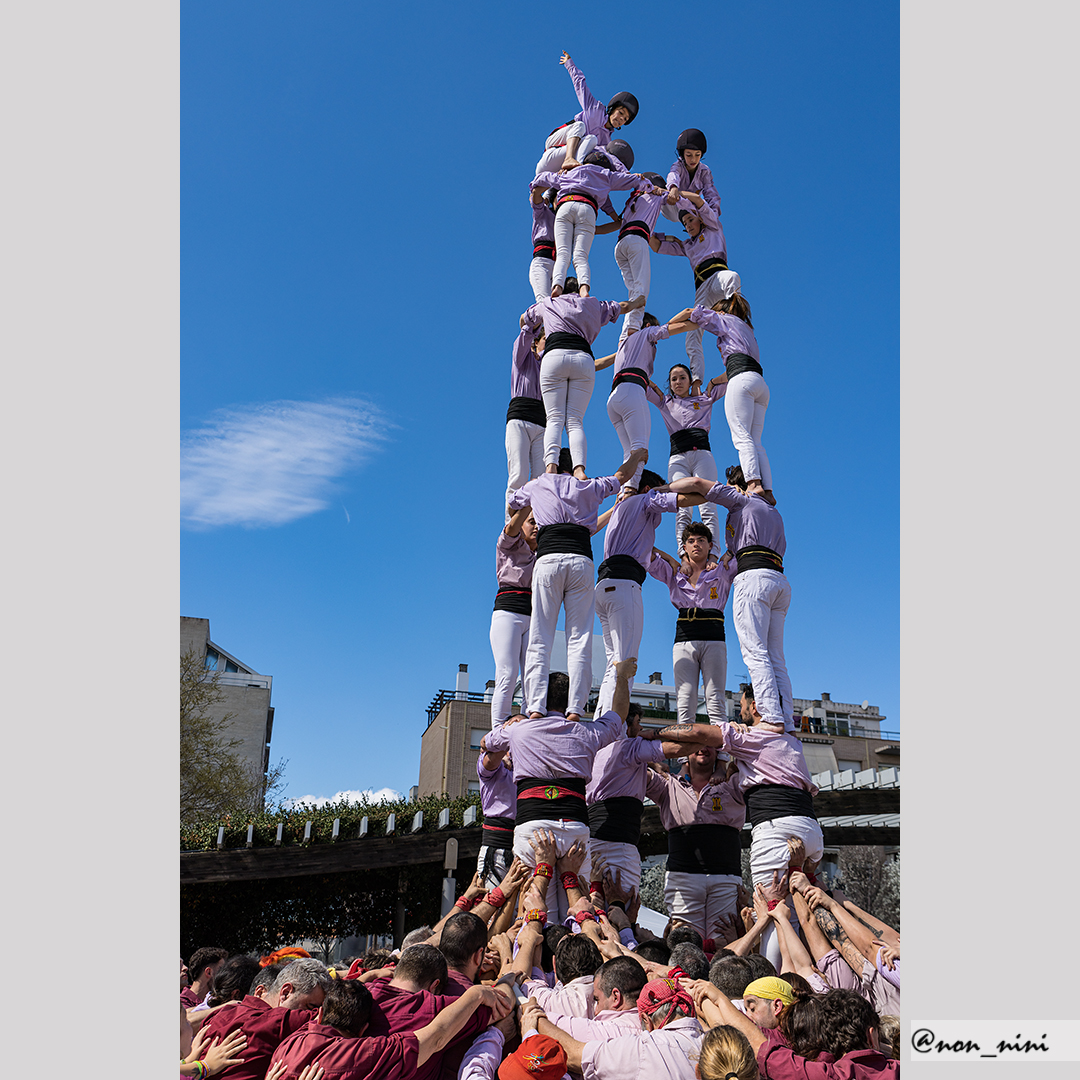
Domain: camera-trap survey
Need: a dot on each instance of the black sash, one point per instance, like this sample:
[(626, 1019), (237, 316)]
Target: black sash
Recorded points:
[(563, 538), (689, 438), (578, 196), (551, 799), (706, 268), (764, 802), (560, 127), (562, 340), (621, 566), (617, 819), (635, 228), (498, 832), (544, 249), (758, 558), (631, 374), (526, 408), (738, 362), (699, 624), (704, 849), (513, 598)]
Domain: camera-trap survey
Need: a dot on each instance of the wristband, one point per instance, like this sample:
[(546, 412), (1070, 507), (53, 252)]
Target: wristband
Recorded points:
[(584, 916), (773, 903), (464, 902), (596, 887), (202, 1070), (536, 915), (599, 911), (495, 898), (570, 881), (677, 973), (543, 869)]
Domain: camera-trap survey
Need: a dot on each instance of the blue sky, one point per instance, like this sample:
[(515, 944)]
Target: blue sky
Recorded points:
[(354, 257)]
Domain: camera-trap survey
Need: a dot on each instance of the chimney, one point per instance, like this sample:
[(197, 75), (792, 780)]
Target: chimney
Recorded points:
[(656, 678), (462, 685), (489, 690), (825, 697)]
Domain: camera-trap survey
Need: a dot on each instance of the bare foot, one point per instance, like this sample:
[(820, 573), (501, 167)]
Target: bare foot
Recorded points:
[(552, 468), (556, 290), (579, 472), (573, 716), (768, 496), (583, 290)]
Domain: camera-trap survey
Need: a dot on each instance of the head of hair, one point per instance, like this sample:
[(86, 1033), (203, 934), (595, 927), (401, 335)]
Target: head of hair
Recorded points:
[(726, 1050), (303, 975), (558, 695), (689, 373), (800, 1024), (649, 479), (266, 976), (669, 1011), (575, 957), (846, 1019), (735, 305), (623, 973), (691, 959), (747, 690), (421, 964), (731, 975), (796, 982), (552, 936), (571, 285), (347, 1006), (204, 958), (697, 528), (656, 952), (415, 937), (233, 979), (733, 474), (566, 461), (681, 932), (888, 1033), (649, 320), (462, 934), (376, 958), (598, 158), (760, 965)]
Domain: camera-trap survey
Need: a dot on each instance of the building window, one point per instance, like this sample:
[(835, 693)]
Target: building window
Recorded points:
[(474, 787), (211, 660), (475, 735), (230, 666)]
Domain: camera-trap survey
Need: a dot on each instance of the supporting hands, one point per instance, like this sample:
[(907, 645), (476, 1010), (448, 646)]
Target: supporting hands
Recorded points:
[(572, 861)]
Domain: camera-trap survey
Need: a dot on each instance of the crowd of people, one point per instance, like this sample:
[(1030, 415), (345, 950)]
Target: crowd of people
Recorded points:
[(541, 968)]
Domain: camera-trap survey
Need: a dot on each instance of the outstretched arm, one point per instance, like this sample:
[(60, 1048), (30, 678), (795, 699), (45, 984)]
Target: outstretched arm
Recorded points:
[(631, 305), (602, 362), (517, 519), (435, 1036), (626, 470)]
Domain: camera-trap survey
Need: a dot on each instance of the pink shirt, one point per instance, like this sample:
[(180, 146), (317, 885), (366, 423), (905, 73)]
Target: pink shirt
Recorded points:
[(732, 334), (638, 350), (751, 521), (765, 757), (643, 206), (720, 802), (711, 590), (572, 314), (606, 1024), (498, 792), (594, 180), (543, 224), (525, 367), (702, 183), (559, 498), (619, 769), (708, 244), (514, 561), (573, 999), (694, 410), (631, 529), (593, 113), (550, 747), (670, 1053)]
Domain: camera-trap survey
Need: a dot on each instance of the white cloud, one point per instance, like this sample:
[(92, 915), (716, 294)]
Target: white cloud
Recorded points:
[(273, 463), (382, 795)]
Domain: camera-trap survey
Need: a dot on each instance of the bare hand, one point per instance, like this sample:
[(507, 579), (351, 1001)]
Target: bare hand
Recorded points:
[(626, 669), (220, 1053), (571, 862), (530, 1014), (543, 844), (564, 59), (516, 876)]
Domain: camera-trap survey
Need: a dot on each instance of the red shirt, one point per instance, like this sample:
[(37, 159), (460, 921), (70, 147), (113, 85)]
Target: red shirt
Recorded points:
[(777, 1062), (391, 1057), (264, 1027)]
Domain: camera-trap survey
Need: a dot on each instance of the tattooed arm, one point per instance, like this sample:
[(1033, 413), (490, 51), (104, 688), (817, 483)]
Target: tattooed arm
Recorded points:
[(826, 918), (875, 926)]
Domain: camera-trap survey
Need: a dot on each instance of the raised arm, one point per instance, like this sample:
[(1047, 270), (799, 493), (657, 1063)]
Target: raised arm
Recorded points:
[(517, 519), (626, 470), (625, 670), (602, 362), (435, 1036)]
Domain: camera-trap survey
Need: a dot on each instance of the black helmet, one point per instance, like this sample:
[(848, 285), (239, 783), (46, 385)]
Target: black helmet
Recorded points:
[(627, 100), (655, 179), (691, 139), (621, 149)]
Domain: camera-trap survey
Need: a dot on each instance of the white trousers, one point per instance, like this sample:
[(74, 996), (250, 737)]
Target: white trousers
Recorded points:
[(694, 662), (524, 456), (632, 258), (745, 403), (622, 618), (575, 226), (696, 463), (509, 640), (759, 605), (560, 581), (567, 377), (707, 293), (500, 863), (628, 411), (624, 858), (555, 147), (566, 832), (701, 899), (540, 270)]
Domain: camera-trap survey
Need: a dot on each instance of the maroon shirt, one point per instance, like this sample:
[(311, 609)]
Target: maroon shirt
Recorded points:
[(777, 1062), (264, 1027), (391, 1057)]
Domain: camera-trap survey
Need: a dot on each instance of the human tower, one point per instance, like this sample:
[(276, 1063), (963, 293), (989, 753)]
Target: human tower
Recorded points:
[(583, 774)]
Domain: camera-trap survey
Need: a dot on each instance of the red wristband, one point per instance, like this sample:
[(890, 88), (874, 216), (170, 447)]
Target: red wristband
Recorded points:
[(599, 911), (570, 881), (584, 916), (543, 869), (596, 887), (536, 915), (495, 898), (464, 902), (773, 903)]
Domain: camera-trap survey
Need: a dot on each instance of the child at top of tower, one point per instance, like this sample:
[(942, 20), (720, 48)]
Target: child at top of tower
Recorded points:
[(689, 173)]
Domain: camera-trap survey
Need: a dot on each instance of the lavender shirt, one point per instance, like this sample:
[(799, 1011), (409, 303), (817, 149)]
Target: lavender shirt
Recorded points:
[(572, 314), (606, 1024), (711, 590), (562, 499), (694, 410), (525, 367), (573, 999), (619, 770), (643, 206), (638, 349), (702, 183), (543, 224), (498, 792), (594, 180), (552, 747), (708, 244), (751, 521), (766, 758), (631, 529), (669, 1053), (514, 561), (593, 113), (720, 802), (732, 334)]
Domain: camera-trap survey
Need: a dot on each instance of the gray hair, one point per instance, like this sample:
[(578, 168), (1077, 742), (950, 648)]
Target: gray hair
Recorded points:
[(304, 975), (416, 937)]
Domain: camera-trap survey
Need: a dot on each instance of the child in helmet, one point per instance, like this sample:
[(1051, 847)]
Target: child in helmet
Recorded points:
[(690, 173)]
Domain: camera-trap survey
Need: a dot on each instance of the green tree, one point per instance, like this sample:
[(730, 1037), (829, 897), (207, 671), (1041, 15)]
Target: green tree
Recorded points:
[(215, 783), (871, 880)]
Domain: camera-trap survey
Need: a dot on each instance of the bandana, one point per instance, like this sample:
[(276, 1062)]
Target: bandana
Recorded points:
[(662, 992), (537, 1058), (770, 987), (291, 953)]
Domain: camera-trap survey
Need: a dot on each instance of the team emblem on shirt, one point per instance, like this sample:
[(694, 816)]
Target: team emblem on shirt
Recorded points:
[(712, 593), (696, 406), (551, 793), (716, 805)]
